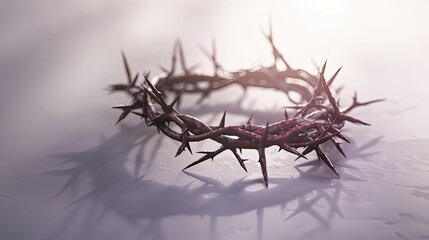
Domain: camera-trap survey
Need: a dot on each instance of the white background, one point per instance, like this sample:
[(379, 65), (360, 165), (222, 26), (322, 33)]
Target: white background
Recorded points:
[(57, 57)]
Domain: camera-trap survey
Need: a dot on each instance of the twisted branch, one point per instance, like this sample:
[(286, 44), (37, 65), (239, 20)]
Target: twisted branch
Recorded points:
[(314, 123)]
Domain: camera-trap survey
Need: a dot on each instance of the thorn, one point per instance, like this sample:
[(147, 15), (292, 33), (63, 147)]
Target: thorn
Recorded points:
[(121, 106), (329, 94), (356, 103), (185, 143), (205, 52), (117, 87), (338, 146), (262, 159), (222, 121), (286, 115), (163, 68), (334, 76), (173, 62), (325, 159), (127, 68), (339, 134), (214, 49), (133, 82), (263, 163), (292, 150), (175, 100), (354, 120), (324, 67), (193, 67), (208, 155), (179, 100), (182, 57), (309, 149), (154, 89), (264, 136), (313, 61), (240, 160), (216, 65), (158, 119), (204, 95), (276, 53), (141, 115), (250, 120), (123, 115), (155, 94), (294, 107)]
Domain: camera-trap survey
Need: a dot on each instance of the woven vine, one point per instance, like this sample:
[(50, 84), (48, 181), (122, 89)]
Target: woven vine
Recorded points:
[(317, 116)]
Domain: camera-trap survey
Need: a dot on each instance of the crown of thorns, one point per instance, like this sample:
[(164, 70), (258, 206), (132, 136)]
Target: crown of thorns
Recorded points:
[(316, 120)]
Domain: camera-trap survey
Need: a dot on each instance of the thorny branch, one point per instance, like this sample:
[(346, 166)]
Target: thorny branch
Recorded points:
[(314, 123)]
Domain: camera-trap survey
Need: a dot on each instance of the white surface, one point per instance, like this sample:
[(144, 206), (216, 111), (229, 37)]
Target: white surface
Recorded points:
[(57, 57)]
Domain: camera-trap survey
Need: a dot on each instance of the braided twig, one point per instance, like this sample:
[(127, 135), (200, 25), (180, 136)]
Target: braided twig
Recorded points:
[(314, 123), (288, 80)]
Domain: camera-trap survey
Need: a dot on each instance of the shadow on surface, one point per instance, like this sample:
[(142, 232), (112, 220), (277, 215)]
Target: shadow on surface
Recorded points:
[(117, 190)]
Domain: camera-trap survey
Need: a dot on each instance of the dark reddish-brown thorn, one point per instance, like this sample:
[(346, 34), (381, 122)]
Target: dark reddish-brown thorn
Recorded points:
[(122, 107), (262, 158), (182, 57), (175, 100), (123, 115), (276, 53), (265, 135), (308, 149), (204, 95), (164, 69), (151, 94), (173, 62), (127, 68), (338, 147), (249, 121), (325, 159), (134, 81), (158, 119), (239, 159), (294, 107), (339, 134), (324, 67), (263, 163), (222, 121), (354, 120), (153, 88), (208, 155), (205, 51), (141, 115), (331, 80), (185, 143), (248, 124), (317, 91), (214, 55), (290, 149), (329, 94), (356, 103), (286, 115)]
